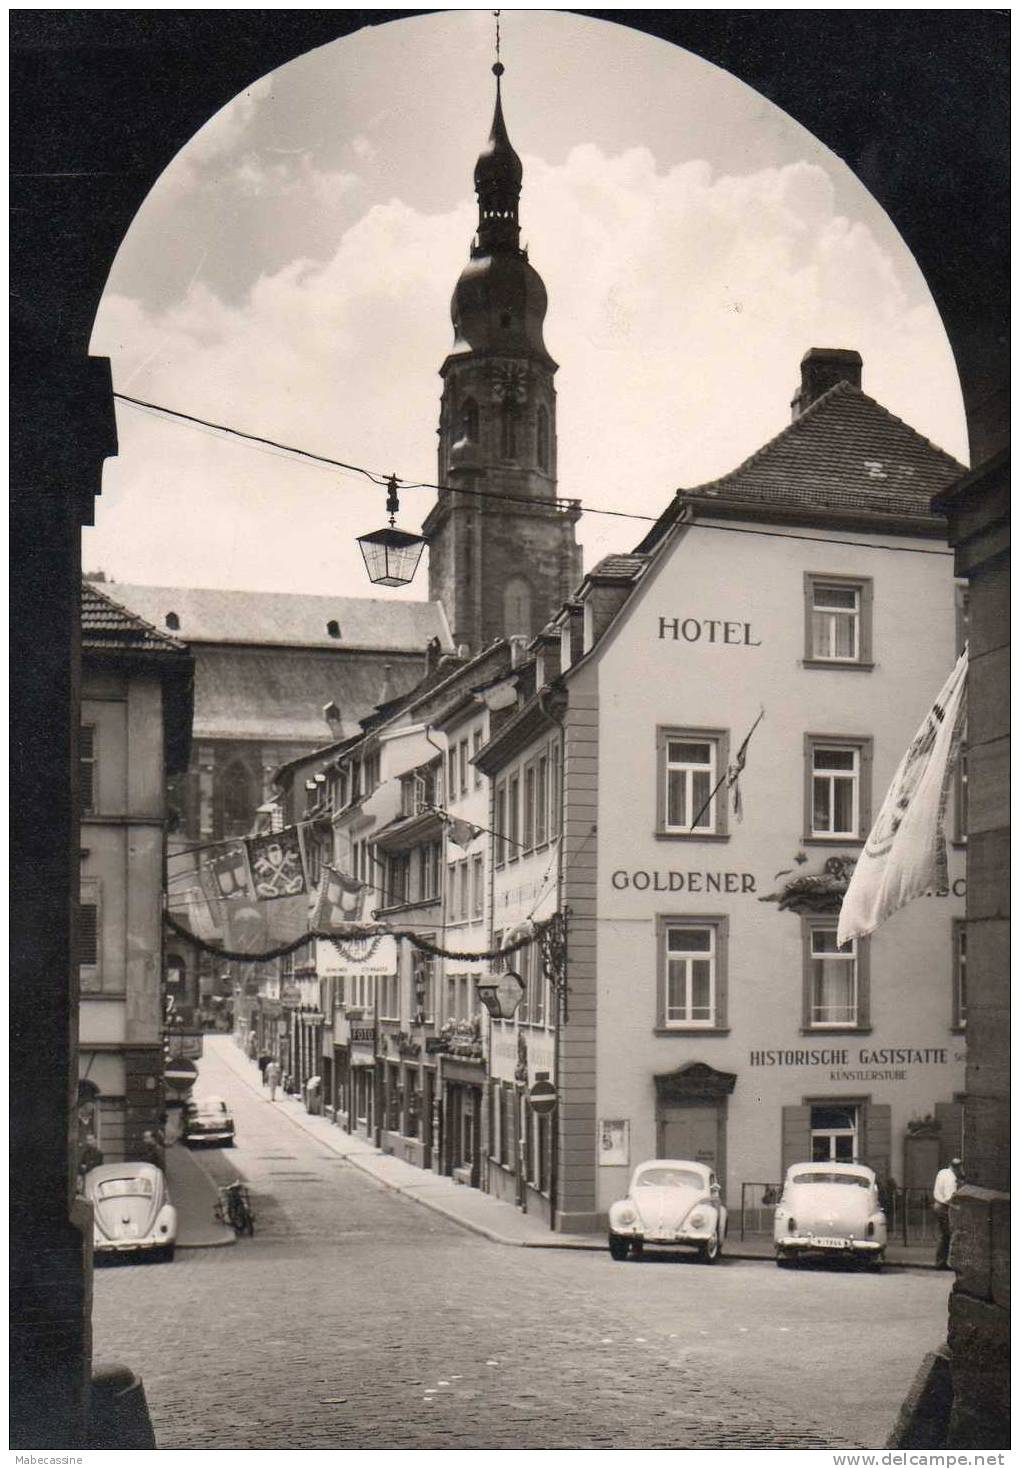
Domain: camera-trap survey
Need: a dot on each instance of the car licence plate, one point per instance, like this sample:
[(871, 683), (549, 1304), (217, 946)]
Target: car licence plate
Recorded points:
[(823, 1242)]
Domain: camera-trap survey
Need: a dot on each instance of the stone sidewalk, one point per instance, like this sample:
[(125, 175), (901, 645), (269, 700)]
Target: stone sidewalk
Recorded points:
[(479, 1212), (194, 1196)]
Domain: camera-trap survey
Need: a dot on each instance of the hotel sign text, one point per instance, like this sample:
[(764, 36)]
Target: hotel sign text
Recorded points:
[(708, 630), (684, 882)]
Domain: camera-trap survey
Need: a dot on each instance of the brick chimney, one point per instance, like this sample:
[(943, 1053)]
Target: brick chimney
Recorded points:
[(822, 368)]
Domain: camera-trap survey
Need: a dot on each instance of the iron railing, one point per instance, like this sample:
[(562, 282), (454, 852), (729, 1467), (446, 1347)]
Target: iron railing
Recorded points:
[(909, 1212)]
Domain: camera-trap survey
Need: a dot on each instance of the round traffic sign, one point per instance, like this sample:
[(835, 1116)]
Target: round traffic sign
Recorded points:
[(180, 1074), (542, 1097)]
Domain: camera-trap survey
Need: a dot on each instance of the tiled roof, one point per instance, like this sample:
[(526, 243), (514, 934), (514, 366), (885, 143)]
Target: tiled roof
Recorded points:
[(279, 693), (106, 624), (623, 568), (281, 618), (846, 452)]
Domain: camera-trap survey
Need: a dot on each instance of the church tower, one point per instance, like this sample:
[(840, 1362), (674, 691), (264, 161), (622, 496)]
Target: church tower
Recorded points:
[(503, 557)]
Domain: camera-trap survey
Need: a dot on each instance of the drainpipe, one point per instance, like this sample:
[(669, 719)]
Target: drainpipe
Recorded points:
[(438, 1140), (560, 1000)]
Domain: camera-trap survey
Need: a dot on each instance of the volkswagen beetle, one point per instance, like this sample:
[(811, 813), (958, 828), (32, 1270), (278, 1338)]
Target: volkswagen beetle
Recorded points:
[(209, 1120), (830, 1209), (132, 1212), (669, 1203)]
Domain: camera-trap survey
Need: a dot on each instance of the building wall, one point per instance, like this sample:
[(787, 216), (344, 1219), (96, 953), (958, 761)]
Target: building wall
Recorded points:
[(652, 674), (120, 1024)]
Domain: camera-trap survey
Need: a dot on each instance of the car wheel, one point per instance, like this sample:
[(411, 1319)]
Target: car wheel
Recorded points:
[(874, 1263), (783, 1260), (711, 1250), (617, 1247)]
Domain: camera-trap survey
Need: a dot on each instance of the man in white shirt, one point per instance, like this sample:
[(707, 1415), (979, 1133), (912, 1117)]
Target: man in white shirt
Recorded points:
[(947, 1181)]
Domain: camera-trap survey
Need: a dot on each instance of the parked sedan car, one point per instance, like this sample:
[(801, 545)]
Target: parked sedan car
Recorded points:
[(209, 1120), (132, 1212), (669, 1203), (830, 1209)]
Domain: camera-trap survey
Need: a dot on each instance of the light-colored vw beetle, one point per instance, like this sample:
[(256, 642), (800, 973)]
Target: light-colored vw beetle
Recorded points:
[(132, 1212), (671, 1203), (830, 1209)]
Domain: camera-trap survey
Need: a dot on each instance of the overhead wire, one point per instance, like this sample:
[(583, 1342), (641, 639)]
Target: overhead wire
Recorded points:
[(555, 506)]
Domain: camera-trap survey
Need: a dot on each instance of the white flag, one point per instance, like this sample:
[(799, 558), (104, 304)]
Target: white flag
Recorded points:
[(905, 853)]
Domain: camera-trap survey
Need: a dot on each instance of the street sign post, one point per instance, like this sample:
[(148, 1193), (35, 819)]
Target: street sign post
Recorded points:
[(542, 1096), (180, 1075)]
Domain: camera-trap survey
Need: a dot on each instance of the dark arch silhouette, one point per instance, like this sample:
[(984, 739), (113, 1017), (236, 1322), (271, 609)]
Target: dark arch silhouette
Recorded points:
[(101, 101)]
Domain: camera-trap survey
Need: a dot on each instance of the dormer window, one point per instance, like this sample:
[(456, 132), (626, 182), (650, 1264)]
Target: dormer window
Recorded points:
[(333, 628), (173, 622)]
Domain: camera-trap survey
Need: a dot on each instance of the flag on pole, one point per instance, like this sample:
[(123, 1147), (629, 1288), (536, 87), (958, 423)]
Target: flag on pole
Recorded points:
[(341, 900), (905, 853), (462, 833), (736, 769)]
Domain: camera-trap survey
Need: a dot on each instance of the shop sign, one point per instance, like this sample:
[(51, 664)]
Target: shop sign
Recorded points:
[(290, 994), (363, 1035), (861, 1063), (684, 882)]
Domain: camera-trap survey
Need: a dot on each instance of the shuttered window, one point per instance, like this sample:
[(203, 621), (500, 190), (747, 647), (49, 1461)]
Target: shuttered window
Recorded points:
[(88, 934)]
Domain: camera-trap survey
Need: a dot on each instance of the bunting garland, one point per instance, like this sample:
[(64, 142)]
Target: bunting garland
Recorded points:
[(525, 933)]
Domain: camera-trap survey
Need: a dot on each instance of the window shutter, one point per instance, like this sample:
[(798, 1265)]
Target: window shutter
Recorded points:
[(88, 934), (796, 1137), (878, 1138), (86, 766), (949, 1116)]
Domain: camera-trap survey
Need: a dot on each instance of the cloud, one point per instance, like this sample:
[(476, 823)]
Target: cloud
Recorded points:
[(680, 305)]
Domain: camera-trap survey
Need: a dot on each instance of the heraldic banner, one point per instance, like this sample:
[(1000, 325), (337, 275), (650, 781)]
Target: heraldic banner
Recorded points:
[(905, 853)]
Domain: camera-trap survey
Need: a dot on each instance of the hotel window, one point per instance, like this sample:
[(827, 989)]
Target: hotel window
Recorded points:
[(834, 1130), (87, 766), (835, 979), (462, 752), (692, 973), (478, 887), (476, 745), (499, 822), (513, 817), (959, 974), (960, 786), (837, 619), (398, 878), (838, 773), (424, 984), (451, 997), (451, 879), (537, 983), (452, 771), (690, 762)]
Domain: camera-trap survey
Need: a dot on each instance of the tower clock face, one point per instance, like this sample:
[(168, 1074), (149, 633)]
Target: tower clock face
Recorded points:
[(510, 382)]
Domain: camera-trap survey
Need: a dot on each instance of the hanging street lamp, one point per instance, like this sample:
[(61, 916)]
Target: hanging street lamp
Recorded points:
[(501, 994), (391, 555)]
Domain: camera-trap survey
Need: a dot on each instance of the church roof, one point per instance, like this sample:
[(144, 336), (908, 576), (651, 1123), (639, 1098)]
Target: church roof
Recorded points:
[(106, 624), (845, 454), (207, 615), (278, 694)]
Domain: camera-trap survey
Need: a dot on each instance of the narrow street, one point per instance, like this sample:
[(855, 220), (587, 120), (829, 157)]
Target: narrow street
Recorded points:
[(357, 1318)]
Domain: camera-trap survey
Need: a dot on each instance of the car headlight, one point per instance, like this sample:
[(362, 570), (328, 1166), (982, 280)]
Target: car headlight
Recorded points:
[(698, 1219)]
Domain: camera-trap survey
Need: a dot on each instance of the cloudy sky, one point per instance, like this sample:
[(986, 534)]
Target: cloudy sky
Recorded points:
[(291, 274)]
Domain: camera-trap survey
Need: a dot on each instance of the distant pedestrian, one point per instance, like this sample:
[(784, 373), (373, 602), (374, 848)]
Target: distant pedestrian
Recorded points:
[(947, 1181), (253, 1045), (264, 1060), (273, 1075)]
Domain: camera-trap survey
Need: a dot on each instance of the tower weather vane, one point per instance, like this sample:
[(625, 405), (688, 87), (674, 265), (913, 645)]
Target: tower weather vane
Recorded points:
[(498, 68)]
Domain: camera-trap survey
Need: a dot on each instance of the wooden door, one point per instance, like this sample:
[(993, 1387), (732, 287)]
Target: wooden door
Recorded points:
[(692, 1132)]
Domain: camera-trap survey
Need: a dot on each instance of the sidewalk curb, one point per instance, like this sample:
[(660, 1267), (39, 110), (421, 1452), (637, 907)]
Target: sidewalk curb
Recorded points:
[(362, 1160)]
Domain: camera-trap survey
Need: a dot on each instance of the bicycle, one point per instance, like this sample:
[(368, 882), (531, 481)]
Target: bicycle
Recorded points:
[(233, 1207)]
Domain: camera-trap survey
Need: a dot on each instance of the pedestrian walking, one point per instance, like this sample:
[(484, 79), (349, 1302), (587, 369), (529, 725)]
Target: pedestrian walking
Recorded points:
[(264, 1060), (253, 1045), (273, 1075), (947, 1181)]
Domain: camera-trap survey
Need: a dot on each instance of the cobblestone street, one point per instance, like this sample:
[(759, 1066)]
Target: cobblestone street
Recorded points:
[(357, 1318)]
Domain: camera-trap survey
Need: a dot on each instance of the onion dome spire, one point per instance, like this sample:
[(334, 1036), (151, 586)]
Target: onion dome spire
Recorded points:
[(498, 177)]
